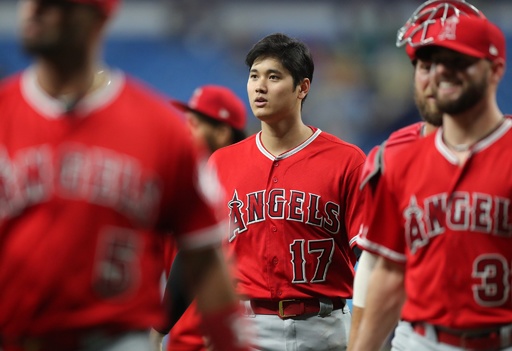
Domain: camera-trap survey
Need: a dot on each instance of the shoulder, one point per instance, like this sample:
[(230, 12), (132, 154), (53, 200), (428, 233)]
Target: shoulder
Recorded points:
[(146, 95), (405, 135), (338, 145), (148, 103), (9, 84), (375, 163)]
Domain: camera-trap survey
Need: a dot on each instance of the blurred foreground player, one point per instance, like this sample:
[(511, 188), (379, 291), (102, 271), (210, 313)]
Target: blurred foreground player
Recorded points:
[(91, 165), (216, 117)]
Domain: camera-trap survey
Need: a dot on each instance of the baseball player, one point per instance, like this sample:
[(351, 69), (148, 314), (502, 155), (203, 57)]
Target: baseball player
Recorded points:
[(217, 118), (291, 194), (409, 36), (92, 165), (441, 222)]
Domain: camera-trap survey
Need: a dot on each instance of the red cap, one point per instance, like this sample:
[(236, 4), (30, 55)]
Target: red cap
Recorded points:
[(218, 103), (107, 7), (472, 36)]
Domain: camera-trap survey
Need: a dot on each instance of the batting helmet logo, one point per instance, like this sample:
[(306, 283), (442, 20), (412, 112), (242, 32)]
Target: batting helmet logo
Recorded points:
[(415, 32)]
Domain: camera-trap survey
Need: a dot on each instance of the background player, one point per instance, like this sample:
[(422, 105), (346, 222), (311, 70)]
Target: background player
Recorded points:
[(291, 193), (446, 246), (217, 118), (91, 164), (409, 35)]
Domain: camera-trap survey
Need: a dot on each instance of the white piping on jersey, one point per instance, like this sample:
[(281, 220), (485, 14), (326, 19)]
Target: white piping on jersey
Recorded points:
[(477, 147), (52, 108), (382, 250), (287, 153)]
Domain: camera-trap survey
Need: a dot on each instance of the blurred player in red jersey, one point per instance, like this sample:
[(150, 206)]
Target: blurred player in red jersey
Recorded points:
[(441, 219), (217, 118), (92, 165), (291, 193), (379, 157)]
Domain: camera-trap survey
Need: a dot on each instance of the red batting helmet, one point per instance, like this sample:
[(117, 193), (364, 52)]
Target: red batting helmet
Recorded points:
[(472, 36), (415, 32)]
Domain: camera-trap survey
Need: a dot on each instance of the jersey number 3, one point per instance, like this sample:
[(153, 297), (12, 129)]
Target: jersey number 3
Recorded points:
[(322, 250), (494, 274)]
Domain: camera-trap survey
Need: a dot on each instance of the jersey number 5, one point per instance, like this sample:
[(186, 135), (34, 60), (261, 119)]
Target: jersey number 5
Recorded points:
[(322, 250), (117, 262)]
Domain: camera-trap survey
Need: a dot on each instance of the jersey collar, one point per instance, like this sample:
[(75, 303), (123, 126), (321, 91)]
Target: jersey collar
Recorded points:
[(52, 108)]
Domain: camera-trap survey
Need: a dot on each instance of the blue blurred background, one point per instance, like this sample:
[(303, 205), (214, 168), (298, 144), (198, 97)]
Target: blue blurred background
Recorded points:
[(362, 88)]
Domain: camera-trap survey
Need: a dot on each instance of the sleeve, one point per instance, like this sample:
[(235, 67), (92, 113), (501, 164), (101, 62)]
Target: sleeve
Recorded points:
[(372, 166), (354, 205), (176, 297), (188, 208), (383, 234)]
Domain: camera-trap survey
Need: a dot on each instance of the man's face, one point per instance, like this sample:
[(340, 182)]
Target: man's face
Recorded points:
[(271, 91), (424, 95), (459, 81), (212, 136), (53, 27)]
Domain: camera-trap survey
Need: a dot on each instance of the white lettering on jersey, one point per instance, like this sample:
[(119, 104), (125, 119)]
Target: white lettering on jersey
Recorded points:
[(476, 212), (293, 205), (96, 175)]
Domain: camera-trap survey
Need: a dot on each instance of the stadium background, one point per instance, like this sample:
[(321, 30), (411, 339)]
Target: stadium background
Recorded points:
[(362, 85)]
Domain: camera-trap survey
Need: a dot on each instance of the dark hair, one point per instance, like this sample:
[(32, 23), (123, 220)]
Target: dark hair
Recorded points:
[(237, 135), (293, 54)]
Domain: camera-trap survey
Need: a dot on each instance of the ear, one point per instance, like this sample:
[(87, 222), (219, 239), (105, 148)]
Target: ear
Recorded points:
[(304, 88), (498, 70)]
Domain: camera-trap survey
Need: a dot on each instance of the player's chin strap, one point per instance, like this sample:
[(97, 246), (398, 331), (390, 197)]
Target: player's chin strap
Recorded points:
[(414, 31)]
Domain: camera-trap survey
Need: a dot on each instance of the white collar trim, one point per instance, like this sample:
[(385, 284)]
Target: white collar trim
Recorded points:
[(287, 153), (52, 108)]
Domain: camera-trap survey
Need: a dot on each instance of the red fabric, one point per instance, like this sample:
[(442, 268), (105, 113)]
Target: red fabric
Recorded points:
[(450, 225), (226, 329), (80, 197), (187, 334), (292, 218)]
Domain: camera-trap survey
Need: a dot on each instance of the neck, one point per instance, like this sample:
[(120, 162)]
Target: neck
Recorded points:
[(284, 136), (428, 128), (462, 131)]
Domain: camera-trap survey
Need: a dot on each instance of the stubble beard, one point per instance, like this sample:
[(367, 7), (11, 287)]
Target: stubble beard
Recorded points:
[(468, 99), (428, 112)]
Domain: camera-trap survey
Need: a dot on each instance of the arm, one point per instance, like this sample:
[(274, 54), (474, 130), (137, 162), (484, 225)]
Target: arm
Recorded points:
[(207, 276), (366, 264), (386, 295), (176, 301)]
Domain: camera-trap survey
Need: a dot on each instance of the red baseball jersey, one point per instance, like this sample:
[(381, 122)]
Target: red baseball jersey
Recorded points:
[(293, 217), (81, 194), (375, 164), (450, 225), (186, 334)]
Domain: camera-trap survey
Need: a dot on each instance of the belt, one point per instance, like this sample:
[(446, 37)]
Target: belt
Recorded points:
[(293, 307), (484, 339)]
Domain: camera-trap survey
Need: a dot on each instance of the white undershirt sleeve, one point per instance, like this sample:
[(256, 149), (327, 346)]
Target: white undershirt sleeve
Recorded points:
[(366, 263)]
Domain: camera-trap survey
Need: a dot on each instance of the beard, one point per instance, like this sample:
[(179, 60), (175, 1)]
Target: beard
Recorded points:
[(64, 50), (470, 96), (428, 112)]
